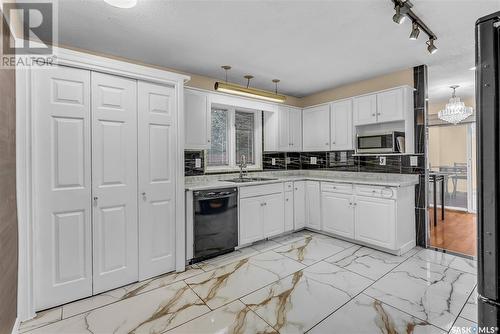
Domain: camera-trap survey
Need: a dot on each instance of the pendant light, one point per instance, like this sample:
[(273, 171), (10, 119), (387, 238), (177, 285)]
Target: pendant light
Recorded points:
[(247, 91)]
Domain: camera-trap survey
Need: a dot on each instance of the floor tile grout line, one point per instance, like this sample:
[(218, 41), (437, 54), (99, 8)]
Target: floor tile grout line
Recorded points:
[(257, 315), (361, 292), (106, 305), (386, 303)]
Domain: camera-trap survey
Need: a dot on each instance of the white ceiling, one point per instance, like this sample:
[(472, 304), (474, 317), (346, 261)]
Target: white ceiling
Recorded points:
[(310, 45)]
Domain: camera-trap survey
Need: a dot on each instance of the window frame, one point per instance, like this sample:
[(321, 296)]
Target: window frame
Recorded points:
[(232, 167)]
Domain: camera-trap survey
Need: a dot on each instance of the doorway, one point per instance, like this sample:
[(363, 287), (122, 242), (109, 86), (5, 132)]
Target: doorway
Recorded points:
[(452, 182)]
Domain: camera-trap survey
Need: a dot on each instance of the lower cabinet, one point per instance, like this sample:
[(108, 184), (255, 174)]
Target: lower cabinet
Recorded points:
[(261, 217), (299, 205), (376, 221), (273, 211), (289, 212), (313, 205), (338, 214), (251, 225)]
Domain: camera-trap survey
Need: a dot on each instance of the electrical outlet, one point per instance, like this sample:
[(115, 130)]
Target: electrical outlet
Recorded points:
[(273, 161), (343, 156), (197, 163), (413, 161), (382, 161), (288, 160), (314, 160)]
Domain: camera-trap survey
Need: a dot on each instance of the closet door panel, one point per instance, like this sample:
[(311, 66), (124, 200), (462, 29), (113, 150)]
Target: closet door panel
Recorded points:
[(62, 219), (114, 178), (157, 149)]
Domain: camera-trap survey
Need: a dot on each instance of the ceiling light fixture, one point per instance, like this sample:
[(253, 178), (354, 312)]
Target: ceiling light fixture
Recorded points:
[(403, 9), (431, 47), (231, 88), (455, 110), (399, 17), (415, 31), (122, 3)]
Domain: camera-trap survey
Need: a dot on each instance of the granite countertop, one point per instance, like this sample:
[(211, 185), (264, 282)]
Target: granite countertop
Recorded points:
[(217, 181)]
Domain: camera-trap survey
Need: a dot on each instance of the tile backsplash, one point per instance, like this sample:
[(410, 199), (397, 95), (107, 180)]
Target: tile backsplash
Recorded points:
[(329, 160)]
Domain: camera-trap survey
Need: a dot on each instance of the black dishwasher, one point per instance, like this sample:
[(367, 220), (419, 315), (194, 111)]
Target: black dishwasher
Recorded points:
[(215, 222)]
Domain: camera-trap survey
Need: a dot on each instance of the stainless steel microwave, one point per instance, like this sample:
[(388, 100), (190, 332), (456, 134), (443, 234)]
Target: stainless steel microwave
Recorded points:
[(381, 143)]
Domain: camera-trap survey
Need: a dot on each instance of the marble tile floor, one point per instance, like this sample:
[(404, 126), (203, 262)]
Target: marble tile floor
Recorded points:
[(302, 282)]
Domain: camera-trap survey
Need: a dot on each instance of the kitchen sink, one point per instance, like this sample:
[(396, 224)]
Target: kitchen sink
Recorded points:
[(249, 179)]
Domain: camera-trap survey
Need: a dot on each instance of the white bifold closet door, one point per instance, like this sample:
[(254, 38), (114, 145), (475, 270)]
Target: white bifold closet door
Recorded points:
[(62, 176), (157, 146), (114, 181)]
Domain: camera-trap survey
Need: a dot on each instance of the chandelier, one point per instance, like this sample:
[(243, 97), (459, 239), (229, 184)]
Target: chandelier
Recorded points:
[(455, 110)]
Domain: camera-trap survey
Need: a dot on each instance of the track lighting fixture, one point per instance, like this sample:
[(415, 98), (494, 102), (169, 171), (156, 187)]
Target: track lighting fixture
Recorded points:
[(415, 31), (430, 46), (399, 17), (404, 9)]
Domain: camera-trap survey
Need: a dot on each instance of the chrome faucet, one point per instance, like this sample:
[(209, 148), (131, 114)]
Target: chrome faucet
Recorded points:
[(242, 165)]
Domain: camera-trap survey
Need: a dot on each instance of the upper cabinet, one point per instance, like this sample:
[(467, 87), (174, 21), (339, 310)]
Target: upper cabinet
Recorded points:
[(365, 109), (196, 120), (341, 128), (289, 129), (387, 106), (316, 128)]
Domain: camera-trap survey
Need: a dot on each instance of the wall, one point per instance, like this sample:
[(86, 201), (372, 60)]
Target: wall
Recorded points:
[(8, 213), (399, 78)]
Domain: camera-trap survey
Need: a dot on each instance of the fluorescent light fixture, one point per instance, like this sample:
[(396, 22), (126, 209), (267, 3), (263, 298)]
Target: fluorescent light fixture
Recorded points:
[(230, 88), (122, 3)]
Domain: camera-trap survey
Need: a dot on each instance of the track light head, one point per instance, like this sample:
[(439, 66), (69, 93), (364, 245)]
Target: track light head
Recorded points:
[(415, 31), (399, 17), (430, 46)]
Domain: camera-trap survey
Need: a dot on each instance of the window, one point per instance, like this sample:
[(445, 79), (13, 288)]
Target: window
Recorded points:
[(234, 132)]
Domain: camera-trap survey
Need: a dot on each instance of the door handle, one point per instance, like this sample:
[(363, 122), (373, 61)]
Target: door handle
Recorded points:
[(95, 200)]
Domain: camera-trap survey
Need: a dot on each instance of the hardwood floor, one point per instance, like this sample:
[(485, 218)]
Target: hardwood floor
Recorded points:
[(457, 233)]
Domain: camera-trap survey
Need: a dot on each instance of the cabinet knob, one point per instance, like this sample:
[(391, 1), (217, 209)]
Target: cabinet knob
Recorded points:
[(296, 188), (286, 199), (326, 144), (378, 113), (208, 141), (333, 142), (95, 200), (373, 114)]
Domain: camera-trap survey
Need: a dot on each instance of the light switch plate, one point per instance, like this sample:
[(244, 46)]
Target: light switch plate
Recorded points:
[(197, 163), (314, 160), (343, 156), (382, 161), (273, 161), (288, 160), (413, 161)]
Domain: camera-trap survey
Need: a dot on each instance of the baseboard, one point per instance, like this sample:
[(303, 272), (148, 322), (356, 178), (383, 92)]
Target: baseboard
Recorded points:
[(15, 329)]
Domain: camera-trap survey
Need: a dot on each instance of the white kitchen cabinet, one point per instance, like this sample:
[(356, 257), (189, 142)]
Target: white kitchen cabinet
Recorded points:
[(390, 105), (313, 205), (295, 134), (299, 204), (337, 214), (273, 211), (157, 142), (261, 212), (251, 225), (271, 131), (196, 120), (316, 128), (289, 224), (289, 129), (365, 109), (375, 221), (341, 127)]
